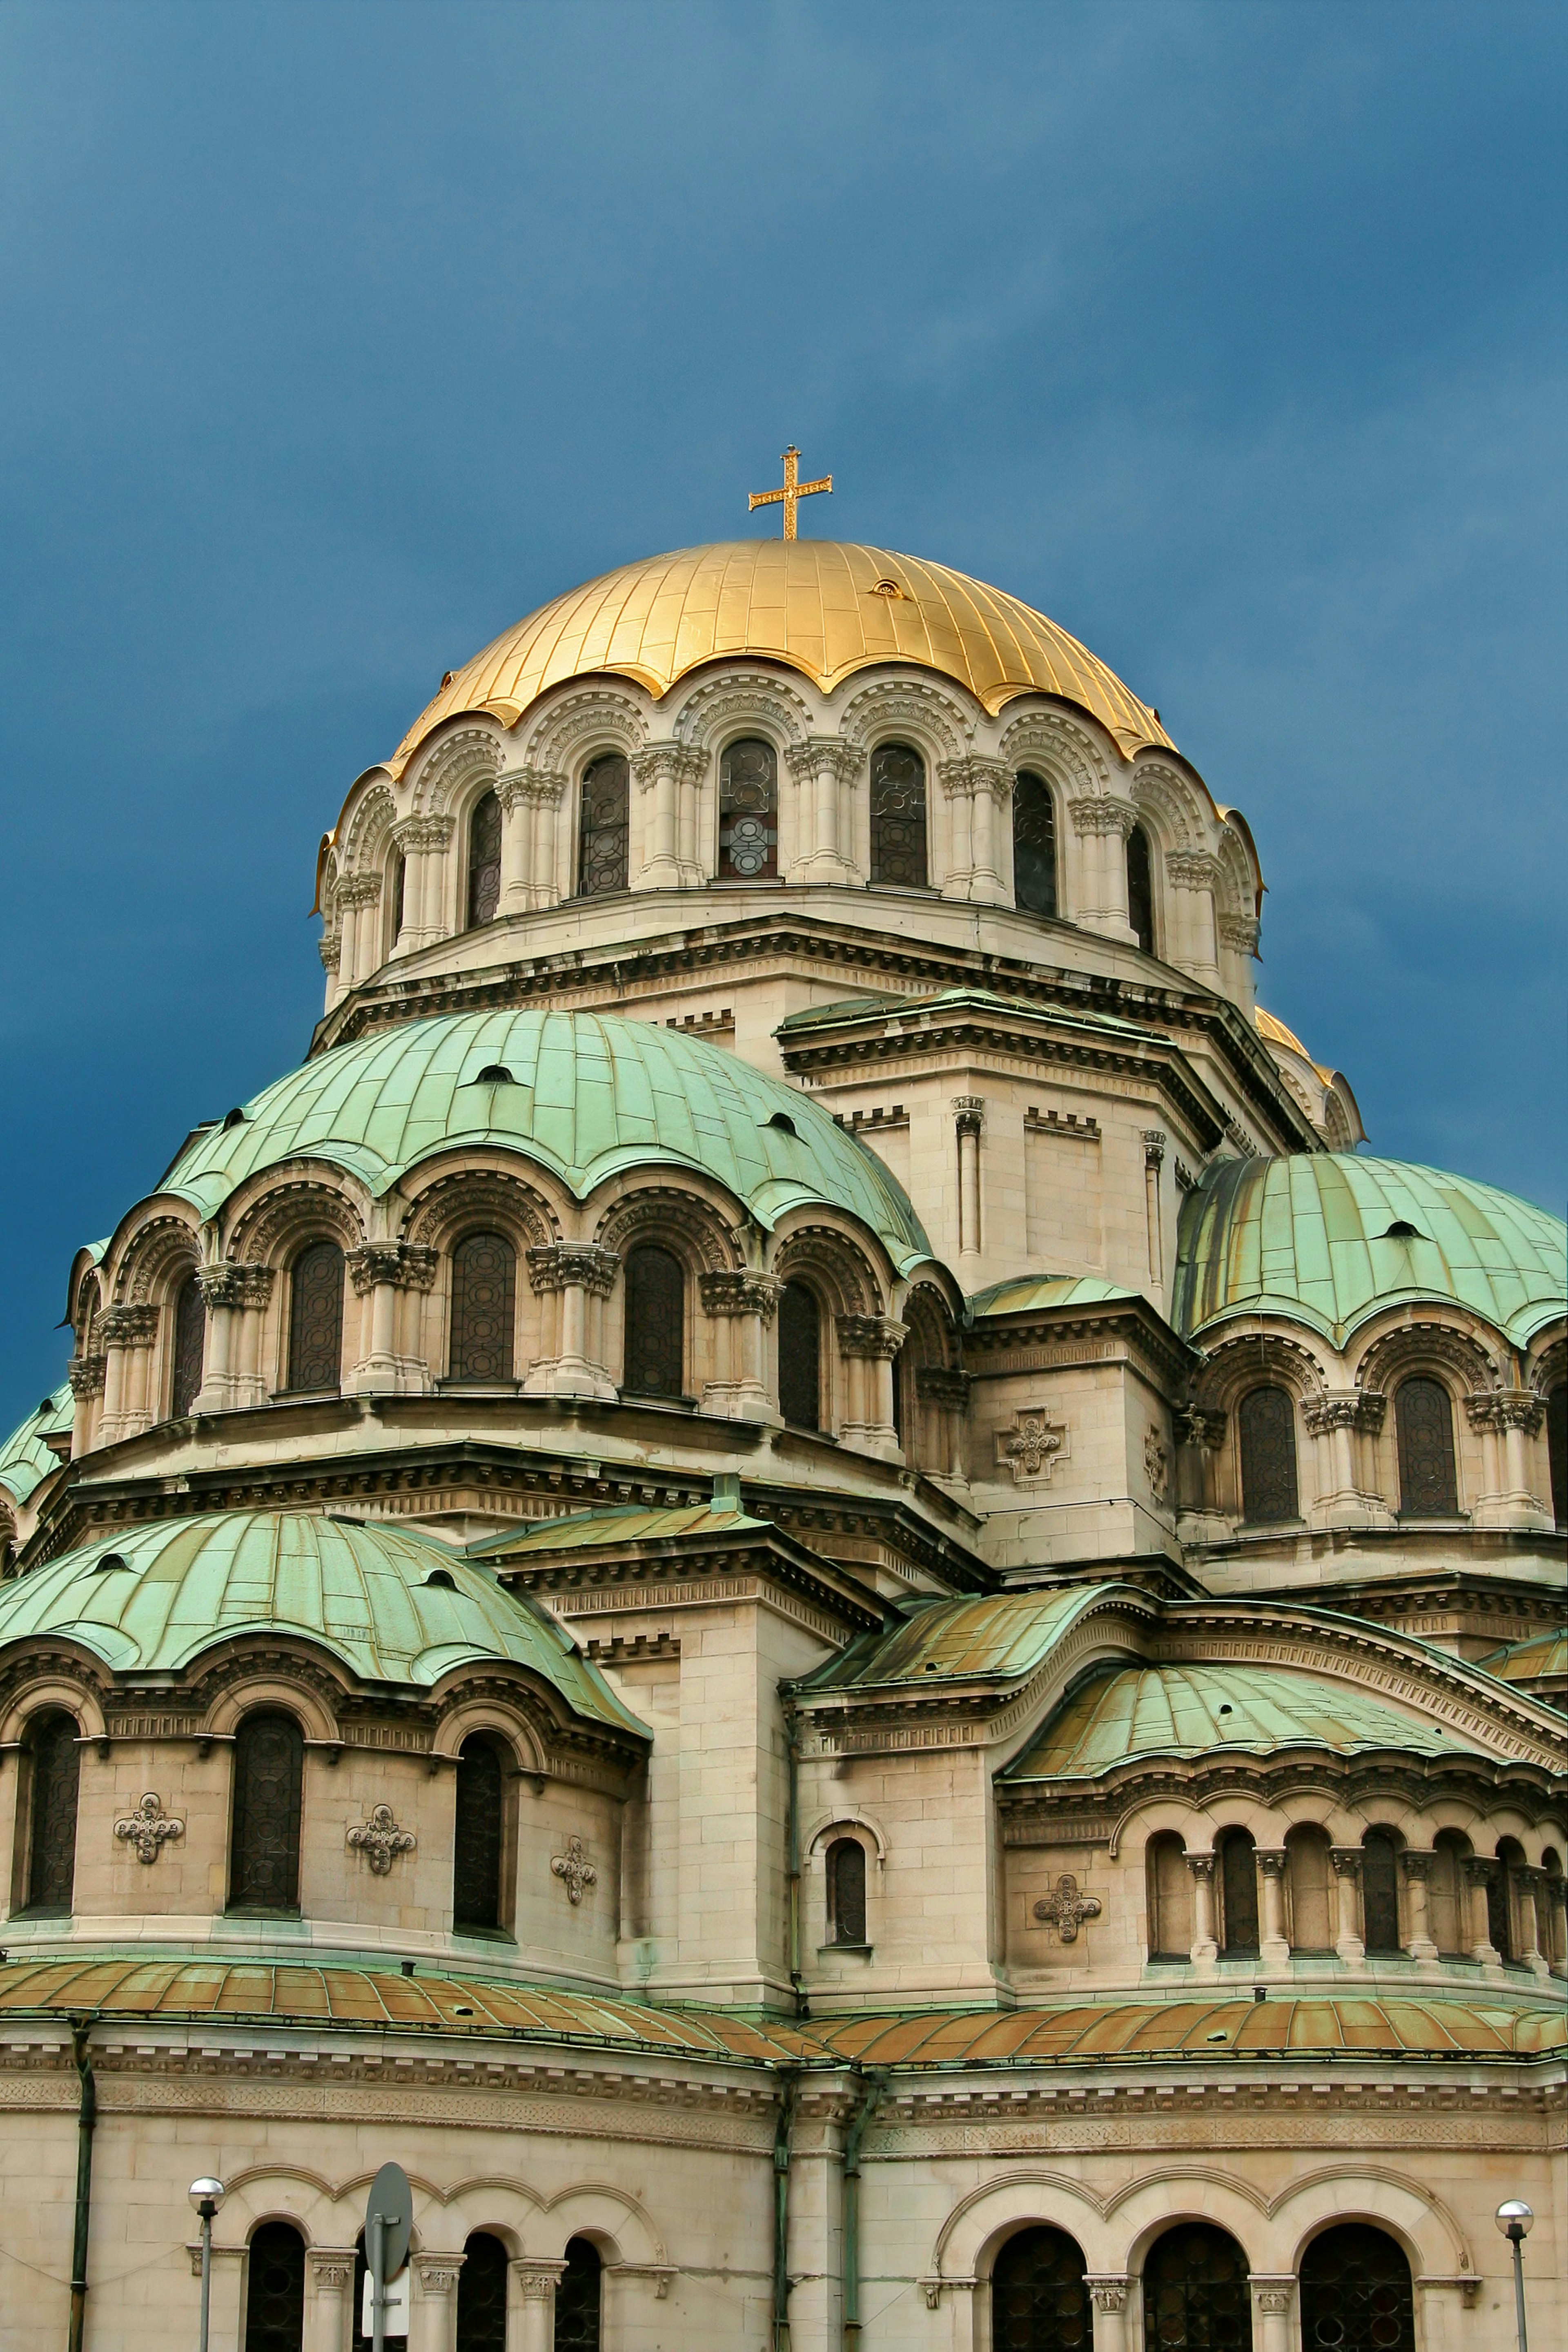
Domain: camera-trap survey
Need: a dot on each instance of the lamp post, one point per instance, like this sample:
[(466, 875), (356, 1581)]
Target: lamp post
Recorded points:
[(1514, 2218), (207, 2196)]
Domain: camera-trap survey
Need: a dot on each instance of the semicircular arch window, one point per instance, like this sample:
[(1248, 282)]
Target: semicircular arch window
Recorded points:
[(898, 817), (479, 1837), (579, 2299), (54, 1758), (484, 860), (1424, 1420), (1356, 2292), (484, 1308), (274, 2289), (264, 1848), (1266, 1427), (481, 2294), (1196, 2297), (1039, 2301), (604, 827), (316, 1317), (800, 1356), (655, 1364), (190, 1347), (1034, 844), (748, 812)]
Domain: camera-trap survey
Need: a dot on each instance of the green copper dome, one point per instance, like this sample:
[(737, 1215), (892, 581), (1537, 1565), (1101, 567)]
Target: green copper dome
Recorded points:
[(1328, 1238), (394, 1606), (24, 1460), (584, 1095)]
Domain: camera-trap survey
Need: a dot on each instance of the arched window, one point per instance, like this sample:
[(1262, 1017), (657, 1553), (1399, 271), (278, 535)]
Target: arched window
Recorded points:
[(602, 828), (484, 860), (748, 813), (1446, 1890), (897, 816), (1502, 1913), (1170, 1898), (1140, 889), (1549, 1907), (1309, 1885), (579, 2297), (478, 1837), (1039, 2299), (1380, 1891), (655, 1364), (1196, 2293), (316, 1317), (1238, 1894), (264, 1848), (800, 1356), (190, 1347), (1266, 1425), (1424, 1418), (54, 1760), (274, 2289), (394, 911), (1356, 2291), (1557, 1452), (481, 2295), (847, 1891), (1034, 846), (484, 1307)]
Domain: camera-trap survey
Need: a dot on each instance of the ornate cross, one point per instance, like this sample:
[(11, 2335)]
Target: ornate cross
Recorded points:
[(380, 1840), (147, 1828), (576, 1869), (793, 491), (1065, 1909)]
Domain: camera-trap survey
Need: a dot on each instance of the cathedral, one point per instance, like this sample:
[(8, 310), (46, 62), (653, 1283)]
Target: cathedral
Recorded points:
[(793, 1573)]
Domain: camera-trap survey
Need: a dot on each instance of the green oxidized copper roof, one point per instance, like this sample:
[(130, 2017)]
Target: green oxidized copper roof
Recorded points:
[(1307, 1236), (1028, 1293), (1544, 1657), (363, 1591), (899, 1009), (589, 1094), (1193, 1710), (580, 1531), (24, 1460), (1001, 1637)]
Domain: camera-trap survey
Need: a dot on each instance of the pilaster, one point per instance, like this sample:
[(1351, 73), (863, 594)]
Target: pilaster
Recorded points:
[(383, 1272), (576, 1278), (867, 1345), (1102, 828), (1508, 1420), (743, 1305), (977, 791)]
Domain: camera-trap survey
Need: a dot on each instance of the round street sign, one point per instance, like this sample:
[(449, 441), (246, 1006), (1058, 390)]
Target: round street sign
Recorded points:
[(391, 2197)]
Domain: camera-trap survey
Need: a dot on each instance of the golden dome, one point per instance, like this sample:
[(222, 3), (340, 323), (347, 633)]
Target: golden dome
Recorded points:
[(826, 608)]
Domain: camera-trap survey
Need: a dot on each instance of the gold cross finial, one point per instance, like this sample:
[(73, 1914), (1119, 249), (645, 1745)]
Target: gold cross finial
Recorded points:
[(794, 490)]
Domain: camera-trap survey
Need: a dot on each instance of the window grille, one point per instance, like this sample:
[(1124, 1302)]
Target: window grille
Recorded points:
[(55, 1771), (1196, 2297), (275, 2290), (1039, 2302), (316, 1317), (1424, 1418), (655, 1362), (1557, 1452), (1266, 1429), (603, 827), (1034, 846), (477, 1837), (484, 1308), (1356, 2289), (481, 2295), (268, 1770), (748, 813), (190, 1347), (579, 2296), (800, 1356), (484, 860), (897, 816), (1140, 889)]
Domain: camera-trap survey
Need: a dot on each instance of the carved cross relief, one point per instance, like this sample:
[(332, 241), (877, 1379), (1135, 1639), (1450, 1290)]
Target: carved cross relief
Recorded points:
[(1032, 1447), (148, 1827), (574, 1870), (381, 1841), (1065, 1909)]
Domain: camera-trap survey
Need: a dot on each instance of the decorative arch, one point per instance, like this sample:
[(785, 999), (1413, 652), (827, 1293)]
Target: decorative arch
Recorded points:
[(241, 1685), (288, 1205), (1458, 1359), (1417, 2219), (156, 1257), (54, 1690), (362, 843), (838, 1267), (982, 2221), (454, 767), (511, 1723), (1253, 1359), (445, 1203), (566, 734), (682, 1222), (1072, 754), (1171, 804), (731, 704), (936, 719)]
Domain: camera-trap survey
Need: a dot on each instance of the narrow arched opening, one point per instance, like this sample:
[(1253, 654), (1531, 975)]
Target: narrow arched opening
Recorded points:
[(847, 1892), (190, 1347), (1196, 2297), (316, 1320), (1356, 2291), (898, 817), (1039, 2295), (748, 812), (484, 1309), (1034, 846), (1266, 1425), (603, 827), (1140, 889), (1238, 1894), (484, 861), (481, 2294), (479, 1837), (1380, 1891), (579, 2299), (800, 1356), (53, 1757), (274, 2289), (264, 1839), (654, 1360), (1423, 1422), (1170, 1892)]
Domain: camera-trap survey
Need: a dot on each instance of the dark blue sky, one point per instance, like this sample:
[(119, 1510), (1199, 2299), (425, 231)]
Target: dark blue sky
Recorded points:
[(338, 337)]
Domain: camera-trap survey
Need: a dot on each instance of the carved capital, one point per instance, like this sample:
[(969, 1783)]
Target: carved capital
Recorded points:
[(358, 889), (1273, 2293), (86, 1375), (1480, 1870), (1502, 1409), (1357, 1410), (1272, 1861), (1416, 1860), (1346, 1861), (1239, 931), (574, 1266), (221, 1285), (329, 946), (1192, 869), (538, 787), (332, 2267), (438, 2274), (1101, 817), (962, 778), (535, 2278), (417, 835), (1153, 1146), (671, 760), (969, 1112), (401, 1264), (1201, 1865), (825, 755), (740, 1293), (129, 1327), (935, 1384), (1108, 2289), (878, 1337)]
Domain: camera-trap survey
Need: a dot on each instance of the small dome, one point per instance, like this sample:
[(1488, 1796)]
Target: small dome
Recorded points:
[(820, 606), (1328, 1238), (25, 1461), (151, 1599), (589, 1094)]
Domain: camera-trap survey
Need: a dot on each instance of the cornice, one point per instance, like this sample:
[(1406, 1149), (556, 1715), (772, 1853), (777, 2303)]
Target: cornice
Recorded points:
[(642, 1574)]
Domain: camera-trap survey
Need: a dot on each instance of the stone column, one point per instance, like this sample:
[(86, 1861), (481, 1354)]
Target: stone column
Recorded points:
[(1531, 1886), (330, 947), (1102, 828), (359, 910), (1348, 1942), (1109, 2295), (1551, 1897), (1205, 1945), (517, 843), (433, 2312), (1506, 1422), (823, 768), (1192, 876), (1274, 1946), (423, 841), (1238, 945), (577, 1274), (659, 770), (744, 1303), (86, 1375), (873, 1340), (969, 1112), (975, 789), (1479, 1873), (1153, 1161), (222, 1289), (128, 1334), (381, 1272), (947, 1392), (1273, 2301), (329, 2291), (1342, 1500), (1416, 1865), (530, 2310)]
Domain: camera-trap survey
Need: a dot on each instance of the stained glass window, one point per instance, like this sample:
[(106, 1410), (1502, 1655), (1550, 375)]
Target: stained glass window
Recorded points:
[(1267, 1428), (1424, 1419), (190, 1347), (1238, 1892), (1196, 2293), (1356, 2291), (1380, 1892), (602, 828), (478, 1835), (316, 1317), (269, 1770), (578, 2298), (1039, 2299), (55, 1759), (484, 1307), (481, 2295), (1140, 889), (1034, 846), (484, 860), (748, 813), (897, 816), (655, 1324), (275, 2290), (800, 1356), (1557, 1452), (847, 1891)]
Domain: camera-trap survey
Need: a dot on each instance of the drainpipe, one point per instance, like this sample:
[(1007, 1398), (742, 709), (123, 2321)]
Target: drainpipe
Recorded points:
[(86, 2117), (871, 2088), (788, 2080)]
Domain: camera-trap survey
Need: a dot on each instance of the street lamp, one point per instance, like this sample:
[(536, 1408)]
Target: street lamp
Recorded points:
[(1514, 2218), (207, 2196)]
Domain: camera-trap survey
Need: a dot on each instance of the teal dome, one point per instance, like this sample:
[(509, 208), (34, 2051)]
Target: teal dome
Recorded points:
[(393, 1606), (24, 1459), (1330, 1238), (584, 1095)]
